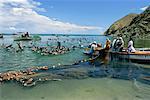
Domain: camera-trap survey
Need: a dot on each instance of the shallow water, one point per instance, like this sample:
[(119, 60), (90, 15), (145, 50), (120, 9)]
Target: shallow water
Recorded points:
[(115, 88), (86, 89), (10, 60)]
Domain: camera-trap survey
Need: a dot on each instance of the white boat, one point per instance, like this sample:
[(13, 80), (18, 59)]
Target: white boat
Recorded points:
[(138, 56)]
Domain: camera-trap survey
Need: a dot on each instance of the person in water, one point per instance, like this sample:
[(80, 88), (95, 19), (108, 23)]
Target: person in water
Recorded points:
[(58, 44), (130, 45), (9, 46), (118, 43), (20, 46)]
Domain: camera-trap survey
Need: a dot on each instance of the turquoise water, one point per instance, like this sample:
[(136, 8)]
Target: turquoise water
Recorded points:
[(86, 89), (69, 89), (10, 60)]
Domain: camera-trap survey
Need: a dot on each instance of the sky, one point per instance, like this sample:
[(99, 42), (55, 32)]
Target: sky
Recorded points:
[(65, 16)]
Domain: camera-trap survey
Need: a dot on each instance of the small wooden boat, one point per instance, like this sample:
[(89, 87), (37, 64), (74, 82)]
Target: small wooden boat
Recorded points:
[(1, 35), (29, 84), (23, 39), (138, 56)]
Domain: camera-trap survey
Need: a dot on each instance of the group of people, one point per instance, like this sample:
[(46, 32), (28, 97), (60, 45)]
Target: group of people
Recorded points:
[(95, 48), (16, 47), (53, 51), (118, 44), (25, 35)]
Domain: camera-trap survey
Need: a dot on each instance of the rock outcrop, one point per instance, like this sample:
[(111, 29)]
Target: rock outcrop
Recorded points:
[(135, 25)]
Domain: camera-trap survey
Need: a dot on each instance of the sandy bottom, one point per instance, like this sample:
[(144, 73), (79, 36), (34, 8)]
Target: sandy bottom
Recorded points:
[(86, 89)]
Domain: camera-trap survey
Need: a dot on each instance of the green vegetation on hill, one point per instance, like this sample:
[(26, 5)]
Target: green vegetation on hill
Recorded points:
[(115, 28), (135, 25)]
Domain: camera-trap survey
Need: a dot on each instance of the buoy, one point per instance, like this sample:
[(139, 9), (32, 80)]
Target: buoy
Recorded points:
[(25, 84), (53, 66)]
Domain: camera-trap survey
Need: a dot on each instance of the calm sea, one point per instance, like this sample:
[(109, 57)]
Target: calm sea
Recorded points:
[(105, 88)]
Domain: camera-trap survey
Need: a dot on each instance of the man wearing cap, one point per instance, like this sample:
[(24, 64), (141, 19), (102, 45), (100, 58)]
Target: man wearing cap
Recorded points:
[(118, 43), (93, 47)]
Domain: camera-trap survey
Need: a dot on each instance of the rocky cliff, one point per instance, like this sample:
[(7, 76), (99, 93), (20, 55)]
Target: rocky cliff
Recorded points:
[(135, 25)]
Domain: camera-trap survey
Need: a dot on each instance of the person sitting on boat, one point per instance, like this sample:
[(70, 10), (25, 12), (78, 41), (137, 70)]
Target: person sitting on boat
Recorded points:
[(97, 49), (99, 46), (118, 43), (107, 45), (22, 35), (130, 45), (26, 34)]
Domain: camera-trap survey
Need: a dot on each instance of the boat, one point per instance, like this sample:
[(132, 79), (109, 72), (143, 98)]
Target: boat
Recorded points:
[(141, 56), (23, 37), (1, 35), (29, 84), (100, 56)]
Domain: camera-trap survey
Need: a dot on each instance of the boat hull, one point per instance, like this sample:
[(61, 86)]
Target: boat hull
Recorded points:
[(23, 39), (1, 36), (138, 57)]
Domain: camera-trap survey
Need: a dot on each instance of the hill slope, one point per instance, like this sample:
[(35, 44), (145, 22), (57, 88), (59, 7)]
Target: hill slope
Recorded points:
[(132, 25)]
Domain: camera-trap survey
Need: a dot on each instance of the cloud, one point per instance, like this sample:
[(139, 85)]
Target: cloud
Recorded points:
[(144, 8), (22, 15), (12, 28)]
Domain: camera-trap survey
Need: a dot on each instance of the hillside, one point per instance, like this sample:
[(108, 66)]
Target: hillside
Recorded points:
[(136, 25)]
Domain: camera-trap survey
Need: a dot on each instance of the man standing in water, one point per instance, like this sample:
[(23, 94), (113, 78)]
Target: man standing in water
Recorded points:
[(58, 44), (20, 46)]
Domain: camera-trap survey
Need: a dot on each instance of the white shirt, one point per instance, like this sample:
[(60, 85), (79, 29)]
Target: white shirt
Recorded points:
[(113, 43), (93, 46), (130, 46)]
